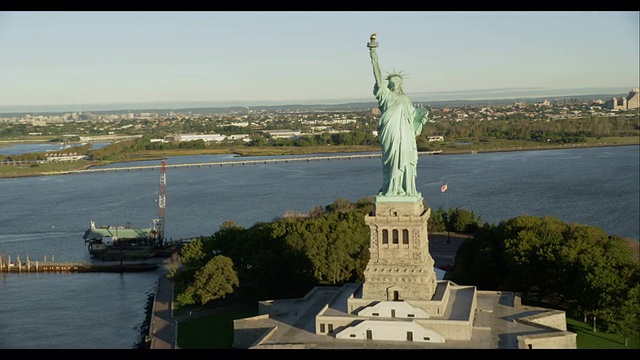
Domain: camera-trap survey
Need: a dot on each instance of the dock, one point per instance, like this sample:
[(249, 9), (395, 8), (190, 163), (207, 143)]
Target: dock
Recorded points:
[(72, 267)]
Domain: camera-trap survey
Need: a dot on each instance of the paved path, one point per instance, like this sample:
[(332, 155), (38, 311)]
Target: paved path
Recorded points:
[(443, 248), (163, 328)]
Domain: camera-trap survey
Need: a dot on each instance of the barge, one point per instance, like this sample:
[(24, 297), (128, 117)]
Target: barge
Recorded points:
[(110, 243)]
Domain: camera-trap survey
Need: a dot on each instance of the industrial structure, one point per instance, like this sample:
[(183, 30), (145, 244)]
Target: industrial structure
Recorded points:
[(127, 243), (162, 201)]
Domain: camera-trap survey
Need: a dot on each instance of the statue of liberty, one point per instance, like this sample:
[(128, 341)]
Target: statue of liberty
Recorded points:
[(400, 123)]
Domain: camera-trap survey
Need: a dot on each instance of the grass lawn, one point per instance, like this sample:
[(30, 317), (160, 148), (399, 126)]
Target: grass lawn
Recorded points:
[(212, 331), (587, 339)]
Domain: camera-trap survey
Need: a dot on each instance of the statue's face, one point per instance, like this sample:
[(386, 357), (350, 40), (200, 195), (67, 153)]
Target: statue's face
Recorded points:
[(395, 83)]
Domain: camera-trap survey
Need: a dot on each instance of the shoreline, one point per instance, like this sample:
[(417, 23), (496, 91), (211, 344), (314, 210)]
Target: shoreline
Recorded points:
[(551, 147), (147, 157)]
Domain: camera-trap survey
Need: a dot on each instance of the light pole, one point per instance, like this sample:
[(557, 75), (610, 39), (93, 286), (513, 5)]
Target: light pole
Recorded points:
[(445, 189)]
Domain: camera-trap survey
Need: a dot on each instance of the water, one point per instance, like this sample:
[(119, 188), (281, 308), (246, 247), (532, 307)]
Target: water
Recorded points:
[(47, 216), (19, 149), (28, 148), (73, 311)]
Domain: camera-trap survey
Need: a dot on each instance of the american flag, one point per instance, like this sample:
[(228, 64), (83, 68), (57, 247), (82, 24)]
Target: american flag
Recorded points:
[(444, 187)]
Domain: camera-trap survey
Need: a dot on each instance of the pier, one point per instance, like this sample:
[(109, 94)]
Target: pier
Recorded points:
[(72, 267), (231, 163)]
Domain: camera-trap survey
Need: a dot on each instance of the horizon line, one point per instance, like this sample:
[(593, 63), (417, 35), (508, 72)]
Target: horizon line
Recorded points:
[(486, 94)]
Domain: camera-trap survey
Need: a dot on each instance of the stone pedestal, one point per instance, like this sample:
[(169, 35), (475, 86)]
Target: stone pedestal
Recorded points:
[(400, 266)]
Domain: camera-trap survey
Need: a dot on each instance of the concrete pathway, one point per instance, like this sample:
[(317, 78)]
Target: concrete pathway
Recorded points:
[(163, 326)]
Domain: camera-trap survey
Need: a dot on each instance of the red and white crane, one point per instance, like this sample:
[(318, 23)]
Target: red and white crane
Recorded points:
[(162, 202)]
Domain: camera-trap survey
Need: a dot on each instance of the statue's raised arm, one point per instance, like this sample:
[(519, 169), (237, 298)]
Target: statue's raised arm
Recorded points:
[(372, 45)]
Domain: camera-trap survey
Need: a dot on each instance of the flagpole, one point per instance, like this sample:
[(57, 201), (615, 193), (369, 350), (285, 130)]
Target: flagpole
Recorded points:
[(448, 216), (445, 189)]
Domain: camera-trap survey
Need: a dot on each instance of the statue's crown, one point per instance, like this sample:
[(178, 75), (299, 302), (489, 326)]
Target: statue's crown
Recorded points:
[(395, 73)]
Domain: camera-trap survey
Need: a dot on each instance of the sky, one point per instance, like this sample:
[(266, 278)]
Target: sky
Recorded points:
[(251, 57)]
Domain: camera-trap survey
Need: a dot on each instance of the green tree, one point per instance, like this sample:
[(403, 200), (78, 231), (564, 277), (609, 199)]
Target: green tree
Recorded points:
[(184, 268), (172, 264), (463, 220), (595, 266), (480, 261), (572, 266), (347, 236), (213, 281), (531, 245), (437, 221), (192, 253), (628, 315), (341, 206)]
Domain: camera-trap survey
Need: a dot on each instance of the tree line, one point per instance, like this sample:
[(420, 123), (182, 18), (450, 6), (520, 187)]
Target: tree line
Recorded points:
[(327, 245), (560, 131), (575, 267)]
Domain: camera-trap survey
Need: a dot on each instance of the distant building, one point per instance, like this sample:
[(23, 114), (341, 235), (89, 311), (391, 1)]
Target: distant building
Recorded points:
[(192, 137), (110, 137), (240, 124), (243, 137), (62, 157), (435, 138), (284, 134), (631, 101)]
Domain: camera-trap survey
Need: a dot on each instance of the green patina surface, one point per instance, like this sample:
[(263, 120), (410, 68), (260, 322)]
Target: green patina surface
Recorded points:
[(400, 123)]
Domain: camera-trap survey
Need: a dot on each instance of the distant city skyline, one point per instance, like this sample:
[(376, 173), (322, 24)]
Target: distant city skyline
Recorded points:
[(55, 59), (484, 95)]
